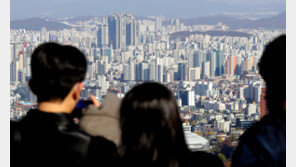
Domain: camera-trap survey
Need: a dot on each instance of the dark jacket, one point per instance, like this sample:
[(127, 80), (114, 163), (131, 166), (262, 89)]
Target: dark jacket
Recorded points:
[(200, 158), (53, 139), (264, 144), (188, 159)]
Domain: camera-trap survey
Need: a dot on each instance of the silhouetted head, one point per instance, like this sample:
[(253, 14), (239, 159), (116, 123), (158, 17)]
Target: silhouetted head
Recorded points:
[(55, 70), (152, 133), (272, 67)]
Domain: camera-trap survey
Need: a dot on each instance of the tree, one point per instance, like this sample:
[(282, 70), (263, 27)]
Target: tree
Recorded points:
[(227, 142), (216, 149), (219, 139), (227, 164), (237, 128), (198, 132), (233, 137), (222, 157), (211, 132), (227, 148), (193, 123)]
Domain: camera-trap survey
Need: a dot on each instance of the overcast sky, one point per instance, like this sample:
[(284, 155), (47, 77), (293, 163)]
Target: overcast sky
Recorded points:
[(169, 8)]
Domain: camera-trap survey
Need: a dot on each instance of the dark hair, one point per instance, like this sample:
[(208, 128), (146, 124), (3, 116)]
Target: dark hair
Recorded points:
[(152, 132), (55, 69), (272, 67)]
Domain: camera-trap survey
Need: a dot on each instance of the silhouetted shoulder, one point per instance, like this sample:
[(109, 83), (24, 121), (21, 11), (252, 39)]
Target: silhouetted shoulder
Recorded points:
[(200, 158), (55, 140), (264, 144), (102, 152)]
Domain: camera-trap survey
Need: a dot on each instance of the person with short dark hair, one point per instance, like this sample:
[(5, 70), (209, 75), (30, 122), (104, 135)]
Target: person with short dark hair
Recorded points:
[(152, 132), (48, 136), (264, 144)]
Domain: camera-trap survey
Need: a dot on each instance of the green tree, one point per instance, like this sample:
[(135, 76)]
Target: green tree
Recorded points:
[(222, 157), (216, 149)]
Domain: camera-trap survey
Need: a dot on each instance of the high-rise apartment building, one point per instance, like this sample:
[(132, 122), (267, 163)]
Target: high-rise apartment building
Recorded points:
[(117, 30), (194, 74), (205, 69), (13, 71), (123, 30), (159, 73), (15, 48), (129, 72), (251, 109), (187, 97), (253, 92), (198, 59), (132, 31), (231, 65), (156, 70), (219, 69), (248, 64), (158, 23), (102, 36), (212, 58), (182, 74), (142, 72), (263, 107), (203, 88)]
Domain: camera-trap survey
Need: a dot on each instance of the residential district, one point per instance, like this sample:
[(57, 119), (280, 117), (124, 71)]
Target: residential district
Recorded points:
[(214, 77)]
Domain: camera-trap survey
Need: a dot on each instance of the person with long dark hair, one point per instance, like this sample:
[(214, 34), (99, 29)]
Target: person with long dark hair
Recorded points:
[(152, 133)]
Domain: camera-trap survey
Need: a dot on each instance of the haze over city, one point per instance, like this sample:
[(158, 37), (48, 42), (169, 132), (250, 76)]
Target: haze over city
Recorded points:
[(21, 9)]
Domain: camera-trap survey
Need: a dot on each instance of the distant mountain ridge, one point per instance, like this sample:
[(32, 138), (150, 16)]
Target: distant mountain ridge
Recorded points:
[(36, 24), (184, 34), (80, 18), (276, 22)]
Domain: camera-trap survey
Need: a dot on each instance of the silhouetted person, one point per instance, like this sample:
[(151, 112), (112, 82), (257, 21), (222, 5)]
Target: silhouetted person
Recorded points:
[(152, 132), (264, 144), (48, 136)]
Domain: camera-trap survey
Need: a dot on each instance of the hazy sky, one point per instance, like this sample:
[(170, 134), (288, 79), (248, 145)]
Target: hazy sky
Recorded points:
[(169, 8), (248, 1)]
